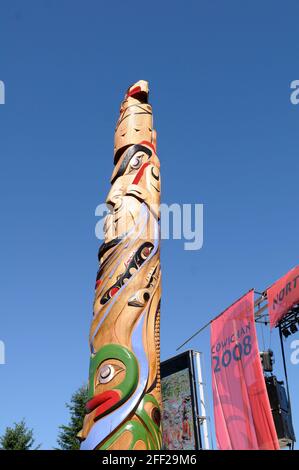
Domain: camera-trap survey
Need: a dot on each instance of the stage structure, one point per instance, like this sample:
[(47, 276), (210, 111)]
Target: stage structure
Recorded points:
[(123, 408), (277, 306)]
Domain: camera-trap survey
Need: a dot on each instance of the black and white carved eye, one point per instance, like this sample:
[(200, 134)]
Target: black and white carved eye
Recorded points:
[(106, 373), (136, 160), (155, 173)]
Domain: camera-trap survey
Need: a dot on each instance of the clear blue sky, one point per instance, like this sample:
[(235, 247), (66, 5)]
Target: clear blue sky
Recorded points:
[(220, 76)]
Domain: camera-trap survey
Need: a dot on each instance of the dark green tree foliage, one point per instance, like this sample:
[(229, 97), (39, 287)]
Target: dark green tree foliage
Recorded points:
[(67, 438), (19, 437)]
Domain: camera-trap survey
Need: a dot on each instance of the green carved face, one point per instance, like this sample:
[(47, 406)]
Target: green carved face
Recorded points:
[(147, 430), (113, 377)]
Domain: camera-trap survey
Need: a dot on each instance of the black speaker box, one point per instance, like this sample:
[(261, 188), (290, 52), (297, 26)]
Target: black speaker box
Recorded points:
[(284, 427), (280, 411), (277, 394)]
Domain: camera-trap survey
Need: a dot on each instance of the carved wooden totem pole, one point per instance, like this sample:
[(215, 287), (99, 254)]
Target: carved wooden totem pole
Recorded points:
[(123, 408)]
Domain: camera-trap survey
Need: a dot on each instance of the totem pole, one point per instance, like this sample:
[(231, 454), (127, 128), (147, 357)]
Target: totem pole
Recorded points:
[(123, 408)]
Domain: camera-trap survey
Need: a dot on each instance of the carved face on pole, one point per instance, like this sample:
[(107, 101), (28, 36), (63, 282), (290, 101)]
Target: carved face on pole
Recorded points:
[(123, 408)]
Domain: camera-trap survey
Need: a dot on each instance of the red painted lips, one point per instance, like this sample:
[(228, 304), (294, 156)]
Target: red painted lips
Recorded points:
[(102, 402)]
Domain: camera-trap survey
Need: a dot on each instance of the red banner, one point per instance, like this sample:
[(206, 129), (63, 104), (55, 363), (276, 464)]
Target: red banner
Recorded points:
[(283, 295), (242, 413)]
